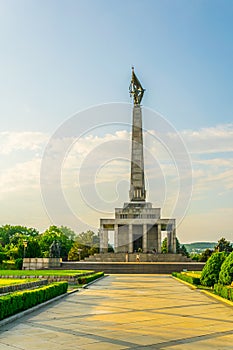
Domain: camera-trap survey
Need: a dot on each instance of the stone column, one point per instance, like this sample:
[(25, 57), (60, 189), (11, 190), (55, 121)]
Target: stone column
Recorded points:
[(144, 238), (105, 240), (159, 239), (169, 242), (137, 186), (116, 238), (173, 248), (130, 226), (101, 234)]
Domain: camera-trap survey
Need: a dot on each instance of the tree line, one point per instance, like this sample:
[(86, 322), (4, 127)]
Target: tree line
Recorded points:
[(17, 242)]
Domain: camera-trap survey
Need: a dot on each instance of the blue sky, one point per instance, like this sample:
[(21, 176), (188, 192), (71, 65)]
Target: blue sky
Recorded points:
[(60, 57)]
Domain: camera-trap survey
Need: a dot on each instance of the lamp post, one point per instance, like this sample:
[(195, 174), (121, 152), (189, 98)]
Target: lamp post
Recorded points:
[(79, 253), (25, 244)]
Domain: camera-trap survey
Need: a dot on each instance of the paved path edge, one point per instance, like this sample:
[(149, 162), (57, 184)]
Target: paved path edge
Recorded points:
[(50, 301), (215, 296)]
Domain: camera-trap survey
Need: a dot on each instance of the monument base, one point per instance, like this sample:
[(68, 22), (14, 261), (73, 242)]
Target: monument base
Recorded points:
[(133, 257), (41, 263)]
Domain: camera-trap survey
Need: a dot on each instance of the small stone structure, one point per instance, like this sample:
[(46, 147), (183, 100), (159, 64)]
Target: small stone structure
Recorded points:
[(41, 263)]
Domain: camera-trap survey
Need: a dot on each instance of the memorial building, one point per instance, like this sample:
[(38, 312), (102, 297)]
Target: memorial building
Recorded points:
[(137, 226)]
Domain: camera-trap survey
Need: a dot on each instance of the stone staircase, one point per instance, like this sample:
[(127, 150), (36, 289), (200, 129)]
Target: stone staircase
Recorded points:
[(144, 257)]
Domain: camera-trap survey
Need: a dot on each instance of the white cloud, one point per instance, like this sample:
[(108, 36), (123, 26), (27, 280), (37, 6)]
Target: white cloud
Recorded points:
[(105, 162), (216, 139), (21, 141)]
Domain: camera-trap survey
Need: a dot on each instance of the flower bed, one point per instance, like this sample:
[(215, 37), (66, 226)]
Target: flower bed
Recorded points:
[(188, 277)]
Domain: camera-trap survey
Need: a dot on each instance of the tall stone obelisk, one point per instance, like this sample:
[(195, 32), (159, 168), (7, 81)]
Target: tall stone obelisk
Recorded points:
[(137, 226), (137, 191)]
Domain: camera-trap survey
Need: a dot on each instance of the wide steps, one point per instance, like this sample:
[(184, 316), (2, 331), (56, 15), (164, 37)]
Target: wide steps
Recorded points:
[(132, 257)]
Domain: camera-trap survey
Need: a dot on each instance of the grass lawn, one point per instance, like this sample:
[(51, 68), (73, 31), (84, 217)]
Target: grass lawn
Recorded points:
[(42, 272), (192, 273)]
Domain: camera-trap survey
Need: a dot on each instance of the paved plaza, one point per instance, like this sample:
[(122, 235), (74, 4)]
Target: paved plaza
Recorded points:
[(126, 312)]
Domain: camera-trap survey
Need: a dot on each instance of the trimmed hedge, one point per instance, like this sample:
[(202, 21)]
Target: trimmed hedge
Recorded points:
[(90, 278), (189, 279), (13, 303), (224, 291)]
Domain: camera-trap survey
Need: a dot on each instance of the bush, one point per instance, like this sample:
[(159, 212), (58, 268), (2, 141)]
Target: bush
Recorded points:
[(184, 277), (13, 303), (226, 272), (2, 257), (225, 292), (19, 263), (210, 272)]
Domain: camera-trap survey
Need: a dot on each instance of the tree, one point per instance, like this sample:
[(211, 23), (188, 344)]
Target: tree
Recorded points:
[(88, 238), (86, 243), (195, 256), (32, 250), (205, 255), (54, 233), (11, 234), (223, 246), (78, 251), (211, 270), (68, 232), (226, 272), (184, 251), (179, 249), (164, 246)]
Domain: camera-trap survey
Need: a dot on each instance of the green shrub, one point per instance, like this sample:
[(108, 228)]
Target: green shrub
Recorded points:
[(210, 272), (19, 263), (184, 277), (90, 278), (226, 272), (225, 292), (3, 256), (13, 303)]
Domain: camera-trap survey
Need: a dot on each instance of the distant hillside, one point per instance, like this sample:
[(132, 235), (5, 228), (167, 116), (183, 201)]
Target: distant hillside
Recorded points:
[(197, 247)]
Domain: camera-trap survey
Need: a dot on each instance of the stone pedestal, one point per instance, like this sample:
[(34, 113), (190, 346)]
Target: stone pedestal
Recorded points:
[(41, 263)]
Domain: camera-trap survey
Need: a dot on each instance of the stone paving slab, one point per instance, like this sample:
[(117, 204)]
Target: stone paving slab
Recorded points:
[(126, 312)]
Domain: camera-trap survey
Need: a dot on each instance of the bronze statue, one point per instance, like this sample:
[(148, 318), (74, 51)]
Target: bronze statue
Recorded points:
[(135, 89), (54, 250)]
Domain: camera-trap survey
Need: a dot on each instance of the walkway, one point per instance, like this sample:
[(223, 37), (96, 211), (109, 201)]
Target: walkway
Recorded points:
[(126, 312)]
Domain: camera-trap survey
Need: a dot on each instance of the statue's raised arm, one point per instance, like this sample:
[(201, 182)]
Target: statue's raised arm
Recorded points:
[(135, 89)]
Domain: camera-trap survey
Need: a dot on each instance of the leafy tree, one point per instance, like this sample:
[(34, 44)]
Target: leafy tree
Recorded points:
[(211, 270), (3, 255), (88, 238), (11, 234), (78, 251), (184, 251), (195, 256), (86, 243), (68, 232), (223, 246), (164, 246), (32, 250), (205, 255), (54, 233), (226, 272), (179, 249)]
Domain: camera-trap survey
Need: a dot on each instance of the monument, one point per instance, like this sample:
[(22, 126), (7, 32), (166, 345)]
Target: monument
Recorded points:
[(137, 226)]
